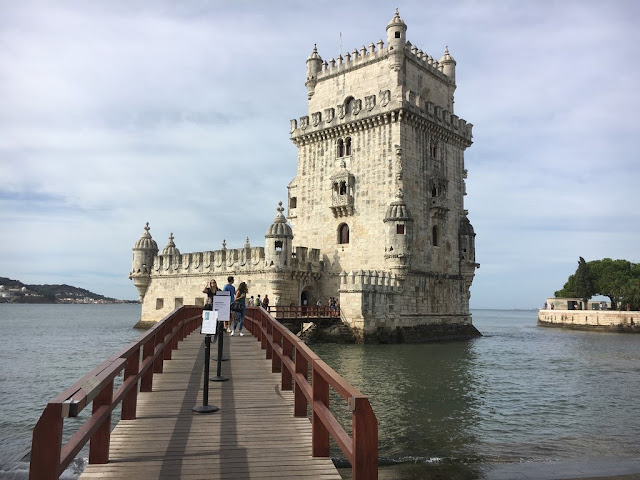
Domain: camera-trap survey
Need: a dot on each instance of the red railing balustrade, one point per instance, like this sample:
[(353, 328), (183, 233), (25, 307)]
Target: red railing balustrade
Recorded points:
[(293, 359), (140, 360)]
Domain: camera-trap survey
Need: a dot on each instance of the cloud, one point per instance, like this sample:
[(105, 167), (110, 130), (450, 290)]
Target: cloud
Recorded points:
[(119, 113)]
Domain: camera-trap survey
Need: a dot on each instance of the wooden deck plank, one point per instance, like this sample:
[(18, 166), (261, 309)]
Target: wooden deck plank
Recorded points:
[(253, 435)]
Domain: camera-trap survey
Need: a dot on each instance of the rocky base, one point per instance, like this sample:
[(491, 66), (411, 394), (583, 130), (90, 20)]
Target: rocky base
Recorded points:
[(341, 333), (144, 325), (423, 334)]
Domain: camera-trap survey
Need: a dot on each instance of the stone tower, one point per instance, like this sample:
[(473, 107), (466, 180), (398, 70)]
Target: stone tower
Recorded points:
[(380, 188), (144, 251)]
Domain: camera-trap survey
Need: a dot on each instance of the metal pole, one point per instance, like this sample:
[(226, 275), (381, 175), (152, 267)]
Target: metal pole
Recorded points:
[(205, 407), (218, 377)]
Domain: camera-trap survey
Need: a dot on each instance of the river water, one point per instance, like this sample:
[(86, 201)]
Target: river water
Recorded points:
[(521, 395)]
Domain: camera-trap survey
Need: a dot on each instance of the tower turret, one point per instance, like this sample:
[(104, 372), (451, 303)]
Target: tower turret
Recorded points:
[(449, 65), (399, 230), (396, 40), (314, 67), (278, 242), (143, 252)]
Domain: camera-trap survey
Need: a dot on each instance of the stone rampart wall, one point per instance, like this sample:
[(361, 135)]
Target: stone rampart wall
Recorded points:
[(591, 319)]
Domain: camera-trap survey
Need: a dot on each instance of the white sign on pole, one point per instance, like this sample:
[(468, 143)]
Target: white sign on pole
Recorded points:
[(209, 322), (221, 304)]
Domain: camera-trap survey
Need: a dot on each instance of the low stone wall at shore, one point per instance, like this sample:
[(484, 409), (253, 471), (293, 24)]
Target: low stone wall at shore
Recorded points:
[(606, 320)]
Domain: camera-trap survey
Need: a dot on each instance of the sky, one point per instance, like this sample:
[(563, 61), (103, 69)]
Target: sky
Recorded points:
[(117, 113)]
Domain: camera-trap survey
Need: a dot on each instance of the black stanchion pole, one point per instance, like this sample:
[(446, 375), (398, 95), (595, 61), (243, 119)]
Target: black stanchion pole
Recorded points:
[(205, 407), (218, 377), (221, 331)]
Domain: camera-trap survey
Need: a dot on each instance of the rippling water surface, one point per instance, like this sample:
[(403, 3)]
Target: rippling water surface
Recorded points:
[(520, 394)]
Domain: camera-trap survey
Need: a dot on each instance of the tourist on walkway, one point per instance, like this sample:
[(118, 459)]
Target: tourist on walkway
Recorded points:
[(241, 297), (232, 292), (210, 289), (265, 302)]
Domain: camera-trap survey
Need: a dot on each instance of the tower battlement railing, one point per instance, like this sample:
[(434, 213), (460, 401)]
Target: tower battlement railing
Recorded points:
[(363, 56), (369, 280)]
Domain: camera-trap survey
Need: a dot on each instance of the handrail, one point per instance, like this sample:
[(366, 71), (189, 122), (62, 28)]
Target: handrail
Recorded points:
[(292, 358), (304, 312), (49, 456)]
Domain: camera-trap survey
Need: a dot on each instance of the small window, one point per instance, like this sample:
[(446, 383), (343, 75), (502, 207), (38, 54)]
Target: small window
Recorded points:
[(293, 202), (178, 302), (159, 303), (340, 151), (278, 245), (397, 34), (400, 229), (434, 149), (434, 236), (434, 191), (343, 233), (343, 188), (347, 146)]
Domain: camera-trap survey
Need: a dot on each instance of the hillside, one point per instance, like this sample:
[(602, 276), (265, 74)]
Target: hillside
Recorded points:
[(14, 291)]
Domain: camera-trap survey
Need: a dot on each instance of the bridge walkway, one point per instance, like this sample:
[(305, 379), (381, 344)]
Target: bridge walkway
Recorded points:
[(253, 435)]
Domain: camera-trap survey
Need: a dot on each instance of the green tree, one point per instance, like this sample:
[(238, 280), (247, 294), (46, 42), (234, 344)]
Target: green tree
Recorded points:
[(611, 278), (583, 284)]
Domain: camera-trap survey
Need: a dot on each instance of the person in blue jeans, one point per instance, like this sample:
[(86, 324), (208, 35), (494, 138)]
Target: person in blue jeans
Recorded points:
[(241, 296), (232, 293)]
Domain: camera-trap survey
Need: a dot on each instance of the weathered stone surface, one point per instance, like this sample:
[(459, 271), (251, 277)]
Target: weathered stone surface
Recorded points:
[(376, 209)]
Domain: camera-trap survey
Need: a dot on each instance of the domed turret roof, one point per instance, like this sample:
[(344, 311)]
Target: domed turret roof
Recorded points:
[(146, 242), (171, 248), (314, 55), (396, 21), (398, 210), (465, 227), (447, 58), (279, 227)]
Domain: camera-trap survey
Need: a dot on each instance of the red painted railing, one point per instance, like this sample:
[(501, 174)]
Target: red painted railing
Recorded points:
[(293, 359), (140, 360), (311, 312)]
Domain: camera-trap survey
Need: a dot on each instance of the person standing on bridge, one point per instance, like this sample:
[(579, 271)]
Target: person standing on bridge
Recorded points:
[(210, 290), (232, 292), (241, 296), (265, 302)]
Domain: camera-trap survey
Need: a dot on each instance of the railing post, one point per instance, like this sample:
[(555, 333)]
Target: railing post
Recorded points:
[(46, 444), (319, 433), (146, 381), (365, 440), (99, 443), (159, 338), (130, 400), (287, 351), (276, 361), (299, 400)]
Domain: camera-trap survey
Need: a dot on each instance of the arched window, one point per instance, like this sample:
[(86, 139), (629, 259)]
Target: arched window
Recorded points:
[(434, 191), (434, 149), (347, 146), (343, 188), (340, 151), (434, 236), (348, 105), (343, 233)]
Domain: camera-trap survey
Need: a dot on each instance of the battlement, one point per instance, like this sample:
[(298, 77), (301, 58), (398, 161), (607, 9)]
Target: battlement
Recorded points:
[(363, 56), (369, 280), (373, 107), (225, 260)]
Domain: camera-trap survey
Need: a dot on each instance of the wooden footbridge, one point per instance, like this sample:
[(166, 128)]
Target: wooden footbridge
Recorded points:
[(261, 430)]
